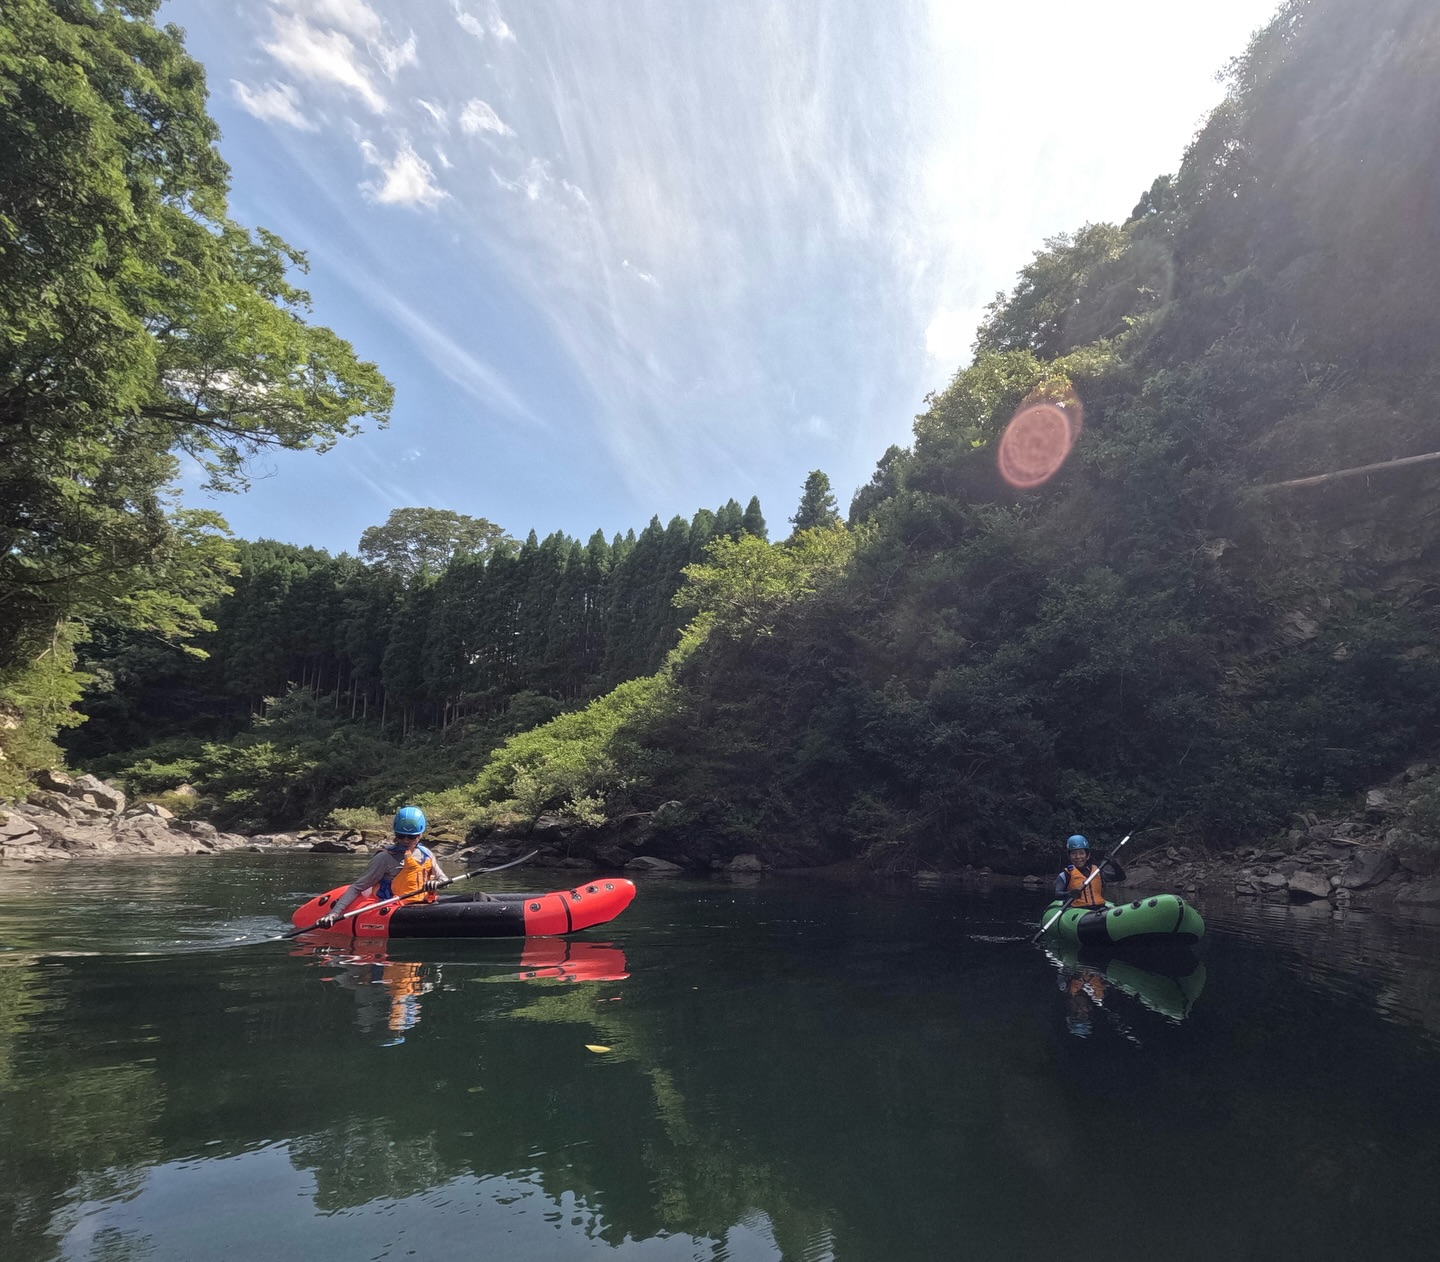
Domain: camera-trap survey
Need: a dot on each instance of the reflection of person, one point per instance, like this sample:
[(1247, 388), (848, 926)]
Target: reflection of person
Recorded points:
[(385, 990), (403, 869), (1084, 989), (1073, 877)]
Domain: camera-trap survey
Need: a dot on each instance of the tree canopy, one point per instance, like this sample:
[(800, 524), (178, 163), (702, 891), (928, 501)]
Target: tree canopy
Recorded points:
[(413, 540), (138, 323)]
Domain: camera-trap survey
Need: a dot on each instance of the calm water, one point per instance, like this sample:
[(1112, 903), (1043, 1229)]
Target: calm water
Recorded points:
[(791, 1070)]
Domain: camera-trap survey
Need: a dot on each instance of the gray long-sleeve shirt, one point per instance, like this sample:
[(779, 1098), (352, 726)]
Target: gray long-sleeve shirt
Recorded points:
[(383, 865)]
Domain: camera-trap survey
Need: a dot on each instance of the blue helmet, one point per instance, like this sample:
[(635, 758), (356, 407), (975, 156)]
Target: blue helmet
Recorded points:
[(409, 821), (1076, 842)]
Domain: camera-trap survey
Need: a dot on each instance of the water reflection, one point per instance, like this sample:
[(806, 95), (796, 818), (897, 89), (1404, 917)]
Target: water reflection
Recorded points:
[(388, 981), (795, 1071), (1166, 982)]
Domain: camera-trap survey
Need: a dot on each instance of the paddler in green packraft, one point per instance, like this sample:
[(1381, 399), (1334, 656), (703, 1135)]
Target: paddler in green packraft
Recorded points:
[(404, 868), (1080, 880)]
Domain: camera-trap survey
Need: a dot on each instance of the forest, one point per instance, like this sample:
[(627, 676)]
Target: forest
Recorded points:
[(961, 670)]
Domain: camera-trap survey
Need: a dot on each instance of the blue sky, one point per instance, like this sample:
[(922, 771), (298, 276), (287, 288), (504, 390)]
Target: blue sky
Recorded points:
[(626, 257)]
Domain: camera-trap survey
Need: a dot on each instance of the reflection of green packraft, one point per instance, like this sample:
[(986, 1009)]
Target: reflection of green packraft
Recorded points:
[(1162, 917), (1171, 992)]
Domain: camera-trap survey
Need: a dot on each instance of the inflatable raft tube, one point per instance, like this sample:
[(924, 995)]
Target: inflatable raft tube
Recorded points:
[(1145, 922), (464, 916)]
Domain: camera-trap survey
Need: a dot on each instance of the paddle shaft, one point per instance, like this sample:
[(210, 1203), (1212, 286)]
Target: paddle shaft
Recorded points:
[(400, 898), (1060, 911)]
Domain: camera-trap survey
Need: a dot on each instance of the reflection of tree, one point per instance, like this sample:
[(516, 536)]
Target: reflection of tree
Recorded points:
[(365, 1159), (703, 1183)]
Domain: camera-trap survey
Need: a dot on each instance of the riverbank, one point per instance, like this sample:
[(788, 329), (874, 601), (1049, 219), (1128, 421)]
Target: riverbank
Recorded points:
[(1365, 857)]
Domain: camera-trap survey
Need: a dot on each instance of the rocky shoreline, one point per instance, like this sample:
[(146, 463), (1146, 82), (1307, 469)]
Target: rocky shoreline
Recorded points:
[(1361, 858)]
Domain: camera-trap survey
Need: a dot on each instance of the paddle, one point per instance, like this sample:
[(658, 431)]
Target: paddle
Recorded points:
[(400, 898), (1060, 911)]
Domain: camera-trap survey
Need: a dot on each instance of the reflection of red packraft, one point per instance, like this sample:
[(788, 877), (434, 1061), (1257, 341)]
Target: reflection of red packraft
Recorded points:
[(499, 916), (570, 961)]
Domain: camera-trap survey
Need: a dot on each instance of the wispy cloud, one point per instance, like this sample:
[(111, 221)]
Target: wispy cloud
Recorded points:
[(477, 116), (497, 25), (405, 180), (438, 114), (467, 20), (354, 16), (637, 273), (326, 57), (466, 369), (393, 56), (275, 103)]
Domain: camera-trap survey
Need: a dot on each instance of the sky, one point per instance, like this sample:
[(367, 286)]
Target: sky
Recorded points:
[(634, 257)]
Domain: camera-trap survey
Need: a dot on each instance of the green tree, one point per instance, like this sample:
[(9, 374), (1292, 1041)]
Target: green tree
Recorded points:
[(817, 508), (416, 539), (753, 522), (137, 320)]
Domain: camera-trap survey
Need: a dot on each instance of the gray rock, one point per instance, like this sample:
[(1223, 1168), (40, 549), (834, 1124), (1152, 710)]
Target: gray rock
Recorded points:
[(14, 828), (1367, 868), (55, 781), (1272, 882), (55, 803), (652, 866), (196, 828), (155, 809), (550, 824), (1308, 885), (613, 856), (105, 795), (1422, 893), (1139, 875), (332, 845), (745, 863), (1381, 802)]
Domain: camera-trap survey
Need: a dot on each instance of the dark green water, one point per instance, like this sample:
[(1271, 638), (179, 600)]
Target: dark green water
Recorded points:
[(794, 1071)]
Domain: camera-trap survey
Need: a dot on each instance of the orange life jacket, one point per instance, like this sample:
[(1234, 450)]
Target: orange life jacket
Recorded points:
[(416, 867), (1093, 895)]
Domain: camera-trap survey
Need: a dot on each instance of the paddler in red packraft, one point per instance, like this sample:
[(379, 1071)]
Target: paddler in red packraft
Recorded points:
[(403, 869), (1071, 880)]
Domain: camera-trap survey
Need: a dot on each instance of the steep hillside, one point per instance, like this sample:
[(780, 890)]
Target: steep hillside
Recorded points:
[(971, 669)]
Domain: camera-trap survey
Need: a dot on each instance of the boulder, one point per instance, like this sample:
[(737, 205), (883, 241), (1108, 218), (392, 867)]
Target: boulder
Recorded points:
[(1381, 802), (651, 866), (185, 791), (745, 863), (1272, 883), (613, 856), (14, 828), (105, 795), (197, 828), (1139, 875), (1308, 885), (550, 824), (1367, 868), (155, 809), (55, 803), (55, 781), (332, 845), (1420, 893)]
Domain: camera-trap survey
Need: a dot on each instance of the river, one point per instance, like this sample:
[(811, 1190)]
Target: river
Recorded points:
[(768, 1068)]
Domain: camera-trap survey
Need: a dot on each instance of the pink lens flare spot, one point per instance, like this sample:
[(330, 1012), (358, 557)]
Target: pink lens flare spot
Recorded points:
[(1036, 442)]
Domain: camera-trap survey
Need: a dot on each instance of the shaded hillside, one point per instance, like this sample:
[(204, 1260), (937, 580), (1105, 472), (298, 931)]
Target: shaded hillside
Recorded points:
[(971, 670)]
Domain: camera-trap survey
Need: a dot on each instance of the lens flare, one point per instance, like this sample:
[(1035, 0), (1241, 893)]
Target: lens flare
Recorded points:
[(1039, 438)]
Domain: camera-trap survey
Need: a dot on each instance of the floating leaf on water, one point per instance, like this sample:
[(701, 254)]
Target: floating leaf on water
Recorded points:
[(473, 1090), (595, 1047)]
